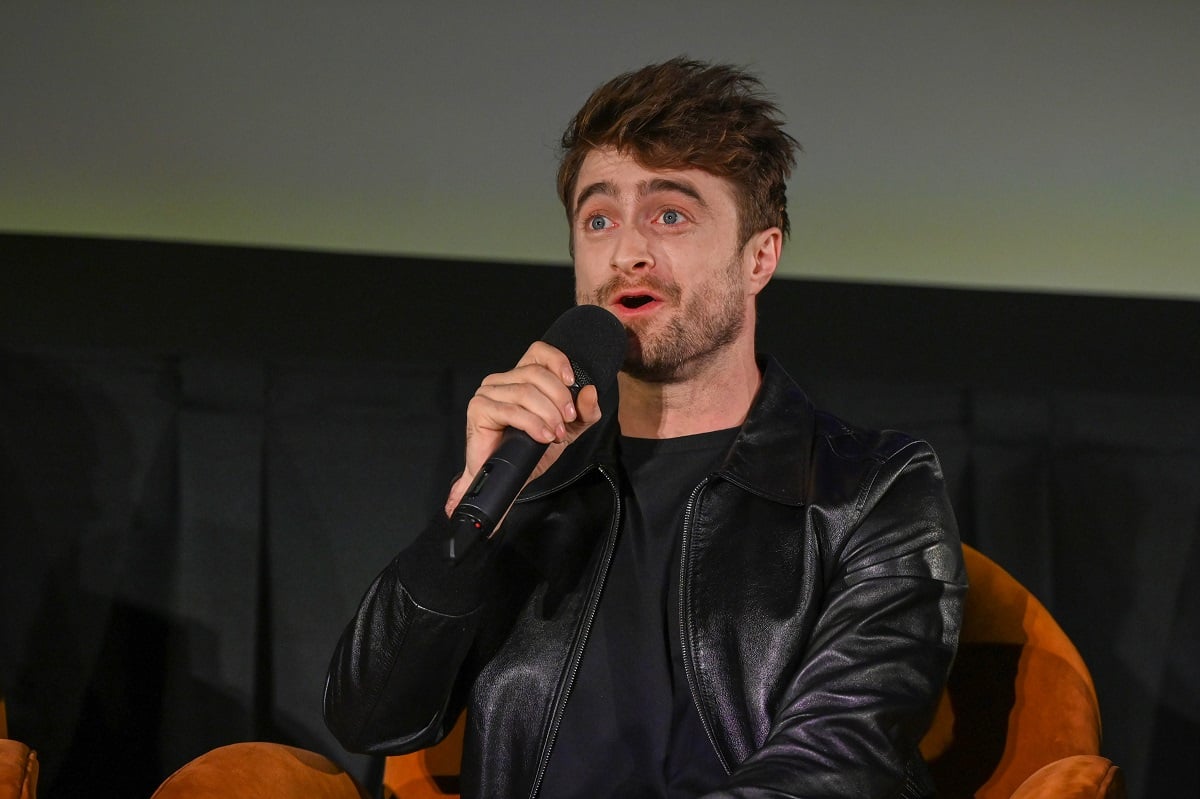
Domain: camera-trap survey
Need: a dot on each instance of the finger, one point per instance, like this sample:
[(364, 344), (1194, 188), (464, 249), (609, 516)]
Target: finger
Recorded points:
[(587, 405), (539, 410), (547, 379), (457, 490), (551, 358)]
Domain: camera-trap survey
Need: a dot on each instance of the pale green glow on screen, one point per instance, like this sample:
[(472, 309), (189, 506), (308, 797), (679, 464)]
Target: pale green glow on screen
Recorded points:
[(1050, 244), (1045, 147)]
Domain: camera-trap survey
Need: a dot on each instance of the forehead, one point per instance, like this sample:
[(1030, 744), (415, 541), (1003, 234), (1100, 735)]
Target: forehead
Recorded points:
[(607, 172)]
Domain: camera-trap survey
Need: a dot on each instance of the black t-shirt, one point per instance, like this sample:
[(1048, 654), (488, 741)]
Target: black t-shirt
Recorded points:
[(631, 729)]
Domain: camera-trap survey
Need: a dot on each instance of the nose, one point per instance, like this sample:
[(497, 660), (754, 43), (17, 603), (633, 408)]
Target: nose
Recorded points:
[(631, 251)]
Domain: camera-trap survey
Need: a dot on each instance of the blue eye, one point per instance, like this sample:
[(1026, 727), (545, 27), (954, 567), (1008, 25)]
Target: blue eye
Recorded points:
[(671, 218), (597, 222)]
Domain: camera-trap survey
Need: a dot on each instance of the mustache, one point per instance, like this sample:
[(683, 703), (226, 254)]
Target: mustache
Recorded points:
[(668, 290)]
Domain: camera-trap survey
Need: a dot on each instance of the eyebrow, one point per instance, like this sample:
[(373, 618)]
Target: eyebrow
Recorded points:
[(604, 187), (666, 184), (646, 187)]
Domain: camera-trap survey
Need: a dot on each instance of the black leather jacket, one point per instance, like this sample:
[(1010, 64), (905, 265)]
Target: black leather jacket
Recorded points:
[(821, 597)]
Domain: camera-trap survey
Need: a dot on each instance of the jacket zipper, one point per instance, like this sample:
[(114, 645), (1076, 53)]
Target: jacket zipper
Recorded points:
[(684, 600), (577, 656)]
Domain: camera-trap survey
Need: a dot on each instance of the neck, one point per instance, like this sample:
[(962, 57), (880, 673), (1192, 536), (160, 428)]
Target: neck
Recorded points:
[(718, 396)]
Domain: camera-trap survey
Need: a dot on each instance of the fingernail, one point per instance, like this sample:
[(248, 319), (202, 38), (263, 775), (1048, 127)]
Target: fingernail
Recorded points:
[(569, 411)]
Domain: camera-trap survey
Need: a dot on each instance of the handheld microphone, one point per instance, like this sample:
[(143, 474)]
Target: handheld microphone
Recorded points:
[(595, 342)]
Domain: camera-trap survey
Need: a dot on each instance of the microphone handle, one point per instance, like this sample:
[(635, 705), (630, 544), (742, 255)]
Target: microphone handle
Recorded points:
[(493, 490)]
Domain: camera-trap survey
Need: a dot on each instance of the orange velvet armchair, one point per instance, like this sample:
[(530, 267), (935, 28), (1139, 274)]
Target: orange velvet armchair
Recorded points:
[(18, 764), (1019, 719)]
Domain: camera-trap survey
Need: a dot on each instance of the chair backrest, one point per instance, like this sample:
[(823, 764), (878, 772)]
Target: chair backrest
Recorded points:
[(259, 769), (18, 764), (1019, 697)]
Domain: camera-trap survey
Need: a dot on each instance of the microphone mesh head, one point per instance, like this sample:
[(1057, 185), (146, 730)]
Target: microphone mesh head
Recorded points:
[(594, 340)]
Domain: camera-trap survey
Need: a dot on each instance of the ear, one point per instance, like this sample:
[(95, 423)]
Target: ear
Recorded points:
[(761, 255)]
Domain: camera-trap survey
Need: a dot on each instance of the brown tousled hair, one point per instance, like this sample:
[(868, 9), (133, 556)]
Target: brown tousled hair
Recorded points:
[(685, 114)]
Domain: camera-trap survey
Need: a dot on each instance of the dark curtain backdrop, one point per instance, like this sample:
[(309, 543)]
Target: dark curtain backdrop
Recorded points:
[(207, 453)]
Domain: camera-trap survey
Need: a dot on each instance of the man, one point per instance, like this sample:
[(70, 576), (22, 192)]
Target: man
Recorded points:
[(715, 590)]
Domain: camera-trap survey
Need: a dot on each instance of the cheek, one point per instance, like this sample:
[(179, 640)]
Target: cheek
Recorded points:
[(587, 278), (695, 261)]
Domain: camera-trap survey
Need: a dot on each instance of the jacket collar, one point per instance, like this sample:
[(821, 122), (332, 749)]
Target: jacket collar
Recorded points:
[(773, 450), (770, 456)]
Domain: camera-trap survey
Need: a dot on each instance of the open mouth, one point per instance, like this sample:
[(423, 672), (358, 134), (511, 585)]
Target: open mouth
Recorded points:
[(636, 300)]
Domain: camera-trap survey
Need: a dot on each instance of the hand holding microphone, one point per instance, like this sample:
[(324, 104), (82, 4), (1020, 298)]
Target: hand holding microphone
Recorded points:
[(519, 421)]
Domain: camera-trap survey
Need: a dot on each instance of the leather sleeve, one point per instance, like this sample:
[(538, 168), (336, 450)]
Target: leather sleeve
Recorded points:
[(850, 715), (391, 686)]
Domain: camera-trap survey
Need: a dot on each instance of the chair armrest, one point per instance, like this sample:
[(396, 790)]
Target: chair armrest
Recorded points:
[(18, 770), (257, 769), (1074, 777)]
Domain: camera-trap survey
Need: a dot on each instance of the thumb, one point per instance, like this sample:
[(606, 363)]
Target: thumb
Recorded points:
[(457, 490)]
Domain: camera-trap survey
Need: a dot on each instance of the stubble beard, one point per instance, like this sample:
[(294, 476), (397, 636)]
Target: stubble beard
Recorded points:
[(711, 319)]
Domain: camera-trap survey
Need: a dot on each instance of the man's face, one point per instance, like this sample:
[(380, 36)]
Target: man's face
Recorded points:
[(660, 250)]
